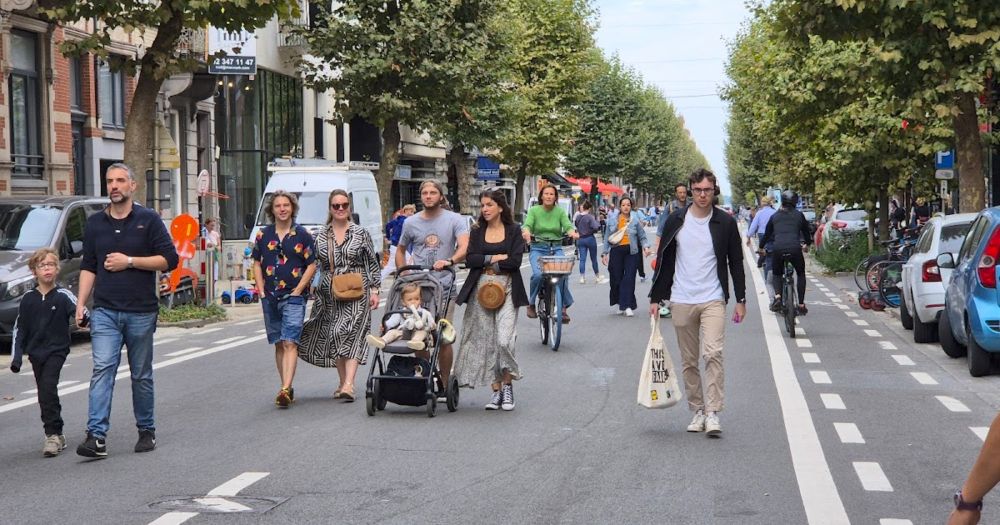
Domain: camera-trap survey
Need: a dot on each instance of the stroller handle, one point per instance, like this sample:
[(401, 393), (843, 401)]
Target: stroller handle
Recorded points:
[(423, 268)]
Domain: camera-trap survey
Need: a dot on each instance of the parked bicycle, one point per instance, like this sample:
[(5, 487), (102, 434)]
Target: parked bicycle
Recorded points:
[(878, 275)]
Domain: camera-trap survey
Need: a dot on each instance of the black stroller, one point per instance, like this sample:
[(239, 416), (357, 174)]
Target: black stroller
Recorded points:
[(402, 377)]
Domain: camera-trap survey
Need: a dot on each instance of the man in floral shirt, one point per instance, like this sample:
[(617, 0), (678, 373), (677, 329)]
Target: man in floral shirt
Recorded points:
[(284, 263)]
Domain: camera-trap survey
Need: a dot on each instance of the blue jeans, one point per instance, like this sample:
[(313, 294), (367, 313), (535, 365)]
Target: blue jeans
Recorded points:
[(583, 246), (110, 329), (283, 318), (541, 250)]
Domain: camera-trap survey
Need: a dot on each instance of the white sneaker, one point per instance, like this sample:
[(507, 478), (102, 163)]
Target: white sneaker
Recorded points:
[(629, 312), (494, 403), (507, 397), (583, 280), (600, 280), (712, 425), (616, 310), (698, 423)]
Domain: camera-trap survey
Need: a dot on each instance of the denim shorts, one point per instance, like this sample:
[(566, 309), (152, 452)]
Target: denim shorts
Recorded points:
[(283, 318)]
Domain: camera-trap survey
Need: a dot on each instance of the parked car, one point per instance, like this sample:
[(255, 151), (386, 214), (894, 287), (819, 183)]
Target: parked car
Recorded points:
[(970, 322), (922, 282), (844, 223), (30, 223), (810, 215)]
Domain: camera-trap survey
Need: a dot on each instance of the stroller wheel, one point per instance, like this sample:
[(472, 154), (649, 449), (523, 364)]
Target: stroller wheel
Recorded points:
[(370, 404), (431, 405), (377, 394), (452, 395)]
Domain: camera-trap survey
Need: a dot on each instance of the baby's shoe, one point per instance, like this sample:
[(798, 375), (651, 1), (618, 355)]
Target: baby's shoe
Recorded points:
[(416, 345), (375, 341)]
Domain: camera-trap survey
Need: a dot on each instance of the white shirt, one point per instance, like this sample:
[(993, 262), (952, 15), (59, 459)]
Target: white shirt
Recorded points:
[(696, 277)]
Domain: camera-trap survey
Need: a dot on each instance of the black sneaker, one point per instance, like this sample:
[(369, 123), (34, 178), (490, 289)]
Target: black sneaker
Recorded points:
[(801, 309), (776, 305), (147, 441), (92, 447)]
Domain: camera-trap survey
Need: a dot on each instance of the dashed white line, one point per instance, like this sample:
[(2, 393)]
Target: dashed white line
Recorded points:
[(851, 314), (241, 323), (903, 360), (871, 476), (833, 402), (887, 345), (836, 299), (861, 322), (843, 306), (810, 357), (831, 295), (923, 378), (848, 433), (894, 521), (182, 352), (980, 432), (953, 404), (820, 377), (235, 485), (164, 340), (227, 340), (799, 331), (208, 331), (262, 331), (872, 333), (60, 385), (803, 343)]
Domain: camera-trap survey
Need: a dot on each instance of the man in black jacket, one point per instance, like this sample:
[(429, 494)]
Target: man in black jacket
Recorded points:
[(698, 244), (787, 235)]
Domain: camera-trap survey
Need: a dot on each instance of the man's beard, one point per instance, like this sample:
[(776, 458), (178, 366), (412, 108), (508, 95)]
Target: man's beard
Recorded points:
[(121, 197), (434, 206)]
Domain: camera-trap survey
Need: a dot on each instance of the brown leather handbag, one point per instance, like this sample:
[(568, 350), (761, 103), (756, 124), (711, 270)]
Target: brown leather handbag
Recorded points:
[(491, 295), (346, 287)]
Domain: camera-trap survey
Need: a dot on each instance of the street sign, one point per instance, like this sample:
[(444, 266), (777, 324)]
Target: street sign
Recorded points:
[(944, 189), (233, 66), (944, 174), (232, 52), (944, 160)]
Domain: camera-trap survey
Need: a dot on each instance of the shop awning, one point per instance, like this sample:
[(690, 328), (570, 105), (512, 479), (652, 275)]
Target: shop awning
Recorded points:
[(558, 180), (602, 187)]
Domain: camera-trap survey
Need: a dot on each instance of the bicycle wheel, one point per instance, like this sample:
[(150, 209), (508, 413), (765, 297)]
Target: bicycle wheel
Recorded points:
[(859, 274), (788, 298), (888, 286), (543, 315), (556, 301)]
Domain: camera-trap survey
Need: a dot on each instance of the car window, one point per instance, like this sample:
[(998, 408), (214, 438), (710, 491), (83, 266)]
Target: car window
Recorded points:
[(952, 237), (852, 215), (95, 208), (27, 227), (76, 222), (972, 239), (924, 241)]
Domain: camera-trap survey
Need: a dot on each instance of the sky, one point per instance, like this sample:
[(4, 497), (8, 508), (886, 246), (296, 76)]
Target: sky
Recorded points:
[(679, 46)]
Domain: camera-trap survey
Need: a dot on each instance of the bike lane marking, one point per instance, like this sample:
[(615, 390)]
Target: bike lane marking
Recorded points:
[(903, 360), (849, 433), (980, 432), (924, 378), (953, 404), (820, 377), (872, 477), (820, 496), (833, 402)]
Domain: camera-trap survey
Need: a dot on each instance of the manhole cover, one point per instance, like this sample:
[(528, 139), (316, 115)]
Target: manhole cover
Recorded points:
[(218, 504)]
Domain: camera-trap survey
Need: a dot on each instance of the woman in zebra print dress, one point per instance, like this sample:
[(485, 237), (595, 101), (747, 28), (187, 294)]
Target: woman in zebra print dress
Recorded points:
[(334, 334)]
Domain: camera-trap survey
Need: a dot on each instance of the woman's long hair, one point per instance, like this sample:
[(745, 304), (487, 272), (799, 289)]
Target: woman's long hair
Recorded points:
[(499, 197)]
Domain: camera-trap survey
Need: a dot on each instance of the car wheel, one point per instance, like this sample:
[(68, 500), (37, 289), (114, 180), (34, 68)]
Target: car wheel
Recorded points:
[(904, 313), (979, 359), (948, 343), (924, 332)]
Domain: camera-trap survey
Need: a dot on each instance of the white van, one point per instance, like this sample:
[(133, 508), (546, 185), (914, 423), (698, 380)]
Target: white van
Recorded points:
[(312, 180)]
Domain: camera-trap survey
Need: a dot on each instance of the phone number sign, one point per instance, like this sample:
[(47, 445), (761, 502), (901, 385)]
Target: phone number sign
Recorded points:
[(233, 65)]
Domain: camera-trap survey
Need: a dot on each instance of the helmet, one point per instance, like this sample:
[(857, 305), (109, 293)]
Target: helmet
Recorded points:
[(789, 199)]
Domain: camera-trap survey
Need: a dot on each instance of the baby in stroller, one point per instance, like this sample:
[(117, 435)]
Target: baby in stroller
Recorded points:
[(417, 324)]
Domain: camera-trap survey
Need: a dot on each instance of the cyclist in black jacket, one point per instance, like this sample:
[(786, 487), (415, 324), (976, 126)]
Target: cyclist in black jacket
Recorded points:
[(788, 234)]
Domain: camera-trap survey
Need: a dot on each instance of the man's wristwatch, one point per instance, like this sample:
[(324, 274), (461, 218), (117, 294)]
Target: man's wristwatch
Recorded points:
[(451, 262), (130, 265), (961, 504)]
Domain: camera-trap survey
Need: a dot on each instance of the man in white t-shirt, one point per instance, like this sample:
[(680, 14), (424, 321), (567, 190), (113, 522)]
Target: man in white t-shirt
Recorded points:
[(697, 248)]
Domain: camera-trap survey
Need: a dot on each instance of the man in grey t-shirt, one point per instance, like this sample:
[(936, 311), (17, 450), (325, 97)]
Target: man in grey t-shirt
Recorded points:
[(440, 239)]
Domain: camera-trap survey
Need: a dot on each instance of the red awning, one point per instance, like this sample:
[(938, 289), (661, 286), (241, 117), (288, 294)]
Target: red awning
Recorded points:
[(602, 187)]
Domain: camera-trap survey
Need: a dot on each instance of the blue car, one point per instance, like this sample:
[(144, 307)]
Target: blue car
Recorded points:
[(970, 321)]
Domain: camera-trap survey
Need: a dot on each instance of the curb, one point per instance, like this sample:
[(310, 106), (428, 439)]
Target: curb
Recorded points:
[(193, 323)]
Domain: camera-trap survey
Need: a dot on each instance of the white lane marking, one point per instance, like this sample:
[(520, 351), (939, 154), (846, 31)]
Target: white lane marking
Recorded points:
[(831, 295), (810, 357), (822, 288), (235, 485), (848, 433), (799, 331), (871, 476), (842, 306), (952, 404), (894, 521), (819, 494), (820, 377), (803, 343), (164, 340), (851, 314), (122, 375), (980, 432), (182, 352), (872, 333), (832, 402), (923, 378), (836, 299), (903, 360), (241, 323), (216, 499), (173, 518), (886, 345), (227, 340), (60, 385), (861, 322), (208, 331), (262, 331)]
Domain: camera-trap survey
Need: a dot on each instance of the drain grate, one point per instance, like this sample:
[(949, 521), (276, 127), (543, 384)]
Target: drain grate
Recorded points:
[(218, 504)]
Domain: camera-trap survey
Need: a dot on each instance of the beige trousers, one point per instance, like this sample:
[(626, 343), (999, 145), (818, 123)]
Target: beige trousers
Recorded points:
[(701, 331)]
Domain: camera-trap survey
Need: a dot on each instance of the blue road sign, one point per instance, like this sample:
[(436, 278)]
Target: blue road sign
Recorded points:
[(944, 160)]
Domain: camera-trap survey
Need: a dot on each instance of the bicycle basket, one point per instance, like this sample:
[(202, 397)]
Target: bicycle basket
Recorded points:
[(557, 264)]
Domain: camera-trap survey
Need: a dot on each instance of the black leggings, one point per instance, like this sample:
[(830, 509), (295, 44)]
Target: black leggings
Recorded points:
[(778, 275)]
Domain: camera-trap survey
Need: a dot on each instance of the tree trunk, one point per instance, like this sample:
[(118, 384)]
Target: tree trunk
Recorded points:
[(522, 173), (969, 156), (883, 215), (387, 167), (456, 158)]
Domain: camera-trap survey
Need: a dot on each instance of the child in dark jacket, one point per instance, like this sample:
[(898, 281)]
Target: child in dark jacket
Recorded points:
[(42, 331)]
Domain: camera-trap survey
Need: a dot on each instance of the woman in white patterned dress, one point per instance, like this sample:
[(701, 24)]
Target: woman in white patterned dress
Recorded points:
[(334, 334), (489, 336)]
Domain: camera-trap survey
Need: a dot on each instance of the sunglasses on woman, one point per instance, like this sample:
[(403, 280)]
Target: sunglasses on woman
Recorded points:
[(340, 206)]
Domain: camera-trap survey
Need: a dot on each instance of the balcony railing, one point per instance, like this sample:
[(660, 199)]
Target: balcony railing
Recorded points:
[(287, 30)]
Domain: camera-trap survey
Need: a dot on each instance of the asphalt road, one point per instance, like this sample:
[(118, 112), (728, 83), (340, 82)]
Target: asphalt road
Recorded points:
[(849, 423)]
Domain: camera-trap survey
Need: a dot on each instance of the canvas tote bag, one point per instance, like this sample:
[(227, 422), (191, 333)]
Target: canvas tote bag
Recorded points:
[(657, 383)]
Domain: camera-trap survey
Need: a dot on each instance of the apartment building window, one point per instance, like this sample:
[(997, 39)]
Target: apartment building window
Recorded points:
[(111, 95), (75, 85), (25, 107)]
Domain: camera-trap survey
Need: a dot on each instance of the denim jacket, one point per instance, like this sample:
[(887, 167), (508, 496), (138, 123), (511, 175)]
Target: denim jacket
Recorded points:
[(636, 234)]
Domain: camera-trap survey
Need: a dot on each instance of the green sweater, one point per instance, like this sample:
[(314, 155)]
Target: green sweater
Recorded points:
[(547, 225)]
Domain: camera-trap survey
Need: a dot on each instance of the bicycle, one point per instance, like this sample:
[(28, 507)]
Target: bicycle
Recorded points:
[(549, 303), (788, 293), (882, 274)]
